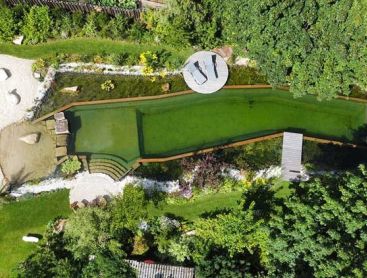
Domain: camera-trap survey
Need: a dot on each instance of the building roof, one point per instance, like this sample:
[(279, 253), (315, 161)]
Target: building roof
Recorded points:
[(292, 156), (145, 270)]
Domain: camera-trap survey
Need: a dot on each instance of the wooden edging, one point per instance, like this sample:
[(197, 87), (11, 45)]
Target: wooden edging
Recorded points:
[(246, 142), (117, 100), (237, 144)]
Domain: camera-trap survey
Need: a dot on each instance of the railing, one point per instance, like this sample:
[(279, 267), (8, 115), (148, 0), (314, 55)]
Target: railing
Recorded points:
[(80, 7)]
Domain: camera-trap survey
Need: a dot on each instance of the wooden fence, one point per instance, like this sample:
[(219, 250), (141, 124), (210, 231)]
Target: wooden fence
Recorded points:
[(80, 7)]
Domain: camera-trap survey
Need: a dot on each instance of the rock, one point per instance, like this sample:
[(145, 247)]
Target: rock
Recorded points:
[(13, 97), (225, 52), (37, 75), (3, 75), (166, 87), (30, 239), (74, 89), (242, 61), (18, 40), (31, 139)]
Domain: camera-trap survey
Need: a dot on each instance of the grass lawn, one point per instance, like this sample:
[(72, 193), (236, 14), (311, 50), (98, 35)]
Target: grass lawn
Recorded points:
[(28, 216), (192, 210), (192, 122), (86, 47)]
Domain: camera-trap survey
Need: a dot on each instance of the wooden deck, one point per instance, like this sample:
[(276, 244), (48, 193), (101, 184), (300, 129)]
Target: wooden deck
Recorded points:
[(292, 156)]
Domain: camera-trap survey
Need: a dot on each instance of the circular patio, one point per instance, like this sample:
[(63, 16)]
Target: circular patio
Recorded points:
[(205, 72)]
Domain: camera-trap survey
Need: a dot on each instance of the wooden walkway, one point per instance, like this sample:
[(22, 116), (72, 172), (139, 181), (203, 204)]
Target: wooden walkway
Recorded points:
[(292, 156)]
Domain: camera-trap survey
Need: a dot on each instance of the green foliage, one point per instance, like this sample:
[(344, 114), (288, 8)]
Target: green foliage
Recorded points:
[(88, 232), (321, 230), (125, 4), (90, 27), (130, 209), (256, 156), (188, 22), (108, 85), (37, 24), (108, 266), (316, 47), (7, 24), (236, 232), (71, 166)]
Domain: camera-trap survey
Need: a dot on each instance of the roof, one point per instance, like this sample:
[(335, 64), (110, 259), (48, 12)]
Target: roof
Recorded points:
[(145, 270), (292, 156)]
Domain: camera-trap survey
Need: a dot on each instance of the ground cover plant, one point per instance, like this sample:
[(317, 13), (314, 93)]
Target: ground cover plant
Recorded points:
[(127, 86), (23, 217)]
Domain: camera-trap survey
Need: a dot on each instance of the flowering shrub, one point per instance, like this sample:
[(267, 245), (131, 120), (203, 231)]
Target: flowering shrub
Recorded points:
[(108, 86), (150, 62), (71, 166)]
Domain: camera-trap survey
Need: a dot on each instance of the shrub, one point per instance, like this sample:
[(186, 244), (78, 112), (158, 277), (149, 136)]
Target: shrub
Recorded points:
[(108, 86), (119, 59), (90, 27), (37, 25), (7, 24), (40, 66), (71, 166)]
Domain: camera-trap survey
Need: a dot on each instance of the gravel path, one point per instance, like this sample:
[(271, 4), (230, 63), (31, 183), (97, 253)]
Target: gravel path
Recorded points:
[(26, 87)]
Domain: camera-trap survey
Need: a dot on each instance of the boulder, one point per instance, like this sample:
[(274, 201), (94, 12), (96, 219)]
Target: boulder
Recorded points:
[(242, 61), (166, 87), (31, 139), (37, 75), (30, 239), (18, 40), (3, 75), (73, 89), (225, 52)]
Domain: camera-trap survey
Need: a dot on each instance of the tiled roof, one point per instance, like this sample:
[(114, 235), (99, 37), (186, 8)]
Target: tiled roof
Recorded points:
[(145, 270)]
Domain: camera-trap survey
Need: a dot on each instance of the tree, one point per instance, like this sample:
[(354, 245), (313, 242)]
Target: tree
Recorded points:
[(188, 22), (7, 24), (316, 47), (103, 265), (129, 210), (321, 230), (88, 232), (37, 25)]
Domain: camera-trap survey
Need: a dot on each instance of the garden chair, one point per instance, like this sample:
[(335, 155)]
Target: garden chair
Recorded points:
[(197, 74), (210, 66)]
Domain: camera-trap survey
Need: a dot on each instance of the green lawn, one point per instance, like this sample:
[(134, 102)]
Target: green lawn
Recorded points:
[(85, 46), (194, 209), (186, 123), (29, 216)]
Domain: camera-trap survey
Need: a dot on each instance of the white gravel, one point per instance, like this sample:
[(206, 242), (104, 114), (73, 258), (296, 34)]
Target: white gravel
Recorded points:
[(89, 186), (26, 87)]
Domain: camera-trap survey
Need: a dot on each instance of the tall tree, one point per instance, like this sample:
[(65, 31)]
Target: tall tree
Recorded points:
[(321, 230), (316, 47)]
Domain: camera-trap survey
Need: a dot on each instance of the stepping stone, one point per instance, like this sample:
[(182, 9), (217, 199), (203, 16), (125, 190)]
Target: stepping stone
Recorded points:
[(3, 75), (13, 97)]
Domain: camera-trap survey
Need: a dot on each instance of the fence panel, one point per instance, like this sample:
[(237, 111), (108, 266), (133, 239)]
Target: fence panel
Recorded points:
[(82, 7)]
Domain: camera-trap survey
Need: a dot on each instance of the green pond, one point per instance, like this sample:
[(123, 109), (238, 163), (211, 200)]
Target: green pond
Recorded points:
[(175, 125)]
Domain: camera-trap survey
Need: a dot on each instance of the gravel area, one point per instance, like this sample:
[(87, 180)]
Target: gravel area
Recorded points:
[(21, 79)]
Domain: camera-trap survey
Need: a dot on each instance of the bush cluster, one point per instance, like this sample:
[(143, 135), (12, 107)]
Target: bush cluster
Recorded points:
[(38, 24), (125, 4)]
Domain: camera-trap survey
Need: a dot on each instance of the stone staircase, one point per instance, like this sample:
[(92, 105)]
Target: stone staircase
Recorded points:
[(114, 167)]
